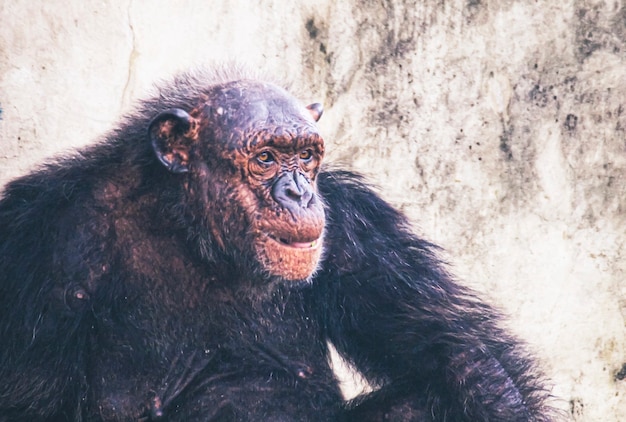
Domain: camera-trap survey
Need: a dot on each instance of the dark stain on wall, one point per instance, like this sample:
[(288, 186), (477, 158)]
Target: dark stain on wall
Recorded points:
[(505, 143), (621, 374), (571, 121), (597, 29), (576, 408), (311, 28)]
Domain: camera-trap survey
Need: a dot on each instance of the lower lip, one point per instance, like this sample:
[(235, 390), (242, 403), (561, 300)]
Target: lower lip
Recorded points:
[(303, 245), (298, 245)]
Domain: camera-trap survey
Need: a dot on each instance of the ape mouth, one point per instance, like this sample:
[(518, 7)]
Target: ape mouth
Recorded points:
[(289, 258), (300, 244)]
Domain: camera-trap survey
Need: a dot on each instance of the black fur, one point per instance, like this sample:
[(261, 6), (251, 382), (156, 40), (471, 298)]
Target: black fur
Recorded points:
[(114, 307)]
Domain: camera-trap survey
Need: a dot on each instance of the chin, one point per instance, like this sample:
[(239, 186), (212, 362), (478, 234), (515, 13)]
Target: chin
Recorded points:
[(291, 261)]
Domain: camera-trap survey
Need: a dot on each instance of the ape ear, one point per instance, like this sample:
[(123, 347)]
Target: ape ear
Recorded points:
[(168, 135), (316, 110)]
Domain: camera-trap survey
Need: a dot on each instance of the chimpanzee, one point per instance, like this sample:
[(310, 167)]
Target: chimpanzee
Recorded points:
[(195, 264)]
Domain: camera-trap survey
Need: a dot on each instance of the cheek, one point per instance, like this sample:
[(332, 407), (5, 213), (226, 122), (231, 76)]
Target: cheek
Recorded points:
[(225, 206), (262, 171)]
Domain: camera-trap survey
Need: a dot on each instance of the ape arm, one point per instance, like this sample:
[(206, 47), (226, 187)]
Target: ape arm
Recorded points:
[(390, 308), (41, 367)]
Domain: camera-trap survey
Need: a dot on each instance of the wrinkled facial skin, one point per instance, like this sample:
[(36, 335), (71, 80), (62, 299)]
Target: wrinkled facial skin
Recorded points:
[(264, 152)]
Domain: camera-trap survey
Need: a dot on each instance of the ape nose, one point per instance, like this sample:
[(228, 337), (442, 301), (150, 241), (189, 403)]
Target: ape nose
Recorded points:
[(292, 190)]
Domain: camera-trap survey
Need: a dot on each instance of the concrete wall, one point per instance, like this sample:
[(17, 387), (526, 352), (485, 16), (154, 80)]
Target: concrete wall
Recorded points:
[(497, 126)]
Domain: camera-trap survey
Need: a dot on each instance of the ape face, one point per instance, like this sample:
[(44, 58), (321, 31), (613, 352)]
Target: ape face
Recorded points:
[(280, 201), (249, 155)]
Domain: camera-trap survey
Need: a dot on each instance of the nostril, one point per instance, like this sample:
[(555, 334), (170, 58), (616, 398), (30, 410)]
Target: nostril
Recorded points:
[(294, 192)]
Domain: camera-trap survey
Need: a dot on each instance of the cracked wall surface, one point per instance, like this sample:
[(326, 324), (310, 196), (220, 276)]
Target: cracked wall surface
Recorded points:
[(497, 126)]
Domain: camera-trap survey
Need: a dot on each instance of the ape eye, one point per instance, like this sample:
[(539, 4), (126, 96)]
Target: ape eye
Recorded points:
[(265, 157), (306, 155)]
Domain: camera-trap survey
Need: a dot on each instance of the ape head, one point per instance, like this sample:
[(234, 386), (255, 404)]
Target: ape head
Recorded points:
[(246, 157)]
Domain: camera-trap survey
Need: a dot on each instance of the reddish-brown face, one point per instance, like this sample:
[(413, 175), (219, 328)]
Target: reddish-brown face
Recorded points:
[(252, 153), (286, 215)]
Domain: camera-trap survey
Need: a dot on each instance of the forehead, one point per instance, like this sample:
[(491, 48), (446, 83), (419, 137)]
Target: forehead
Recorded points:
[(244, 113)]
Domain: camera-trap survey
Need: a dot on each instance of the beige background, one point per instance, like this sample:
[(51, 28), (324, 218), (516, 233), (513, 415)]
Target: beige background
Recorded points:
[(497, 126)]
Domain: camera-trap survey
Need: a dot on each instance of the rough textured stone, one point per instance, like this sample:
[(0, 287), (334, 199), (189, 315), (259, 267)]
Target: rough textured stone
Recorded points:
[(499, 127)]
